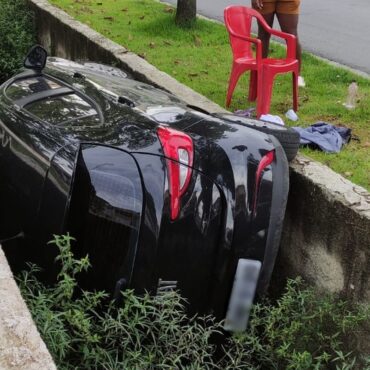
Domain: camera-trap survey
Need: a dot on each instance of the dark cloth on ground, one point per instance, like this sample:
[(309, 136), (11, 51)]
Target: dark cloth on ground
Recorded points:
[(324, 136)]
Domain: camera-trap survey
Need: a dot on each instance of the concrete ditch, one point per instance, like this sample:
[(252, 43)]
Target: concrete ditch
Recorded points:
[(21, 347), (326, 237)]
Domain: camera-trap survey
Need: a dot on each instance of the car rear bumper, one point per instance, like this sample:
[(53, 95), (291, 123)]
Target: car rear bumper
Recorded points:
[(279, 201), (252, 277)]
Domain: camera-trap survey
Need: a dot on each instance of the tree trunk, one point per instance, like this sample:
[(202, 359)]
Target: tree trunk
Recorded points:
[(186, 12)]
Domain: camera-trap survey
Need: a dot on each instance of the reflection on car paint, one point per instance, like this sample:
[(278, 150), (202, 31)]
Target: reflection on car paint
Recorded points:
[(62, 109), (101, 174)]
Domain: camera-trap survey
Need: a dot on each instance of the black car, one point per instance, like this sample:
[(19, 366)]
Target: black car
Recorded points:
[(160, 195)]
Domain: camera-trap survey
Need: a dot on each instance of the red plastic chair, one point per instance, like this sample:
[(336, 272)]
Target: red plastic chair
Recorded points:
[(238, 20)]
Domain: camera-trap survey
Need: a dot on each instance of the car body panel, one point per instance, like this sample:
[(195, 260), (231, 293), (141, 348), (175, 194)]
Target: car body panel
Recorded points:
[(105, 179)]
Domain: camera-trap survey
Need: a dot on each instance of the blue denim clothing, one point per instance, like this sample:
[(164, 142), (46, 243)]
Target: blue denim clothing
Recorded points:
[(324, 136)]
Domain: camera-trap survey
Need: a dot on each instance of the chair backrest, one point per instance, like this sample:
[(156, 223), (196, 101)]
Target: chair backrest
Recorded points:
[(239, 20)]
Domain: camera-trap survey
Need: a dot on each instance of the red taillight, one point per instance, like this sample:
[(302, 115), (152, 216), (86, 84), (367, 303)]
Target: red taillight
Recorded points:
[(178, 148), (265, 162)]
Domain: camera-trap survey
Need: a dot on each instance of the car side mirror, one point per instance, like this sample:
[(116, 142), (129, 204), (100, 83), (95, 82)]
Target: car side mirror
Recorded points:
[(36, 58)]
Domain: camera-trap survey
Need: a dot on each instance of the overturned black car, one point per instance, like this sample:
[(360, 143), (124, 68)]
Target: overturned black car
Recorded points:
[(160, 195)]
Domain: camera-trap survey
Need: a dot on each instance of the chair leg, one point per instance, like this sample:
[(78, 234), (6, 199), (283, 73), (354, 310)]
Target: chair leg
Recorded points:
[(265, 84), (236, 72), (253, 86), (295, 90), (259, 94)]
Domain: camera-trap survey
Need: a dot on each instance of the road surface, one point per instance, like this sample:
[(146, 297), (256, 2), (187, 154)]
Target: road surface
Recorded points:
[(338, 30)]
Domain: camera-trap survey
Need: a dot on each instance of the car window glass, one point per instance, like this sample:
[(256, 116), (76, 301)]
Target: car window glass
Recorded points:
[(61, 109), (26, 87)]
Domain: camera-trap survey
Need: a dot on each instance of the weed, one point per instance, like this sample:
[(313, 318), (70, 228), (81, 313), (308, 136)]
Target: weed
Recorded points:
[(86, 330), (17, 35), (305, 329)]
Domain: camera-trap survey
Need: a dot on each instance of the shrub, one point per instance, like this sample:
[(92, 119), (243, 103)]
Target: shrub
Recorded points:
[(305, 329), (17, 35), (85, 330)]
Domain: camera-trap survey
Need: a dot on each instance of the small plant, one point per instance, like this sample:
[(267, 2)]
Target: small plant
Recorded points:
[(86, 330), (304, 330), (17, 35)]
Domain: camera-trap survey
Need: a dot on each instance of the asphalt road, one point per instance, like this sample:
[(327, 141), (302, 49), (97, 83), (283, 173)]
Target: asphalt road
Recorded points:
[(338, 30)]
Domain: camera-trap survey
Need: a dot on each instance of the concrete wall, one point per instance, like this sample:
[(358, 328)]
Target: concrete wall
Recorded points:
[(21, 347), (326, 237)]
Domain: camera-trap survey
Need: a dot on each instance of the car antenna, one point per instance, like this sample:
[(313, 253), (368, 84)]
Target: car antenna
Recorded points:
[(36, 58)]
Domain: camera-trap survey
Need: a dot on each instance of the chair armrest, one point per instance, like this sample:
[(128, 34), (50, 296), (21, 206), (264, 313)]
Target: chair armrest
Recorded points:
[(253, 40)]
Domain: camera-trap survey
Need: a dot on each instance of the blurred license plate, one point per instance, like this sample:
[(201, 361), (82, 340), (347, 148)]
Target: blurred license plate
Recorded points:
[(242, 295)]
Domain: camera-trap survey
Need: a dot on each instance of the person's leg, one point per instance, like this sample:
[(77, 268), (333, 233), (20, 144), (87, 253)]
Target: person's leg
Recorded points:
[(267, 9), (265, 36), (289, 24)]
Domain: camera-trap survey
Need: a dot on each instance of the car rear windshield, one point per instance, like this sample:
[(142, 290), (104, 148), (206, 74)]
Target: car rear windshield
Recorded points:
[(63, 109), (53, 102), (22, 88)]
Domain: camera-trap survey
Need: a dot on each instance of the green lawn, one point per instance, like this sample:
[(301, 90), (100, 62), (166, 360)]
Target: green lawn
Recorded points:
[(201, 58)]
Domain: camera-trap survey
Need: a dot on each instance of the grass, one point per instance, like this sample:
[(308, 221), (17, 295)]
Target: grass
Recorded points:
[(201, 57)]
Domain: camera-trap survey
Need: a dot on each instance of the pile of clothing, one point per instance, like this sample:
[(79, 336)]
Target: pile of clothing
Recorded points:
[(320, 135), (324, 136)]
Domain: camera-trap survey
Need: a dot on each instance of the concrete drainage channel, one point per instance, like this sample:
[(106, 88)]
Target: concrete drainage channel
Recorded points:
[(326, 237), (21, 347)]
